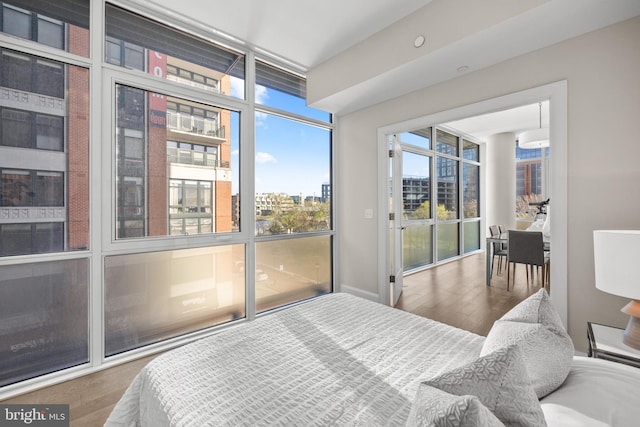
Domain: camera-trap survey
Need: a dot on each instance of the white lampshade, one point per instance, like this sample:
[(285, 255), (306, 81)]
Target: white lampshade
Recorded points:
[(616, 256), (536, 138)]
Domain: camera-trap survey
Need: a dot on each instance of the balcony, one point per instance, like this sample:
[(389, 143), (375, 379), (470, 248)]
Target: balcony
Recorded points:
[(194, 125), (192, 83), (189, 157)]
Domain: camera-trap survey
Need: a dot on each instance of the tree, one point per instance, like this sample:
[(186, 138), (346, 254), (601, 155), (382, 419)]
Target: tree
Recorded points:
[(423, 211)]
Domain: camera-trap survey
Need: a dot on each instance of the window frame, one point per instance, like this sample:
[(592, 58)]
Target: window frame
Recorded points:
[(103, 78), (114, 76)]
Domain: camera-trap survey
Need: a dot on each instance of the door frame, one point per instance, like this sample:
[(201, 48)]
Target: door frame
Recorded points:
[(556, 93), (395, 226)]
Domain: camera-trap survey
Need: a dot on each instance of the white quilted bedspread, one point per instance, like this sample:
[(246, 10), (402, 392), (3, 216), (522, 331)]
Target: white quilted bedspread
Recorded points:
[(335, 360)]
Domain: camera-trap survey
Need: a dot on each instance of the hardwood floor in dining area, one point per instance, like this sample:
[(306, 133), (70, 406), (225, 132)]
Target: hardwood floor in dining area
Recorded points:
[(454, 293)]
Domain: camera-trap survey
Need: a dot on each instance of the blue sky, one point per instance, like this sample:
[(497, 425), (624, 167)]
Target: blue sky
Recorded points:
[(291, 157)]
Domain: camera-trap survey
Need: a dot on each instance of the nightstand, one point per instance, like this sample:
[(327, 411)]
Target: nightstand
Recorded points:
[(605, 342)]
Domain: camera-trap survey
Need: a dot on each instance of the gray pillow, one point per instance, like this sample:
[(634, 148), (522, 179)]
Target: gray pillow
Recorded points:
[(433, 407), (535, 327), (499, 380)]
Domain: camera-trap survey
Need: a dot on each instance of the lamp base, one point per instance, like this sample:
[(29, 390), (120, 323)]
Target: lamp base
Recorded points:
[(631, 336)]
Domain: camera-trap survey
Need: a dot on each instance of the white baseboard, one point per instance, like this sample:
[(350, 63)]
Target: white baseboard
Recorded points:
[(359, 293)]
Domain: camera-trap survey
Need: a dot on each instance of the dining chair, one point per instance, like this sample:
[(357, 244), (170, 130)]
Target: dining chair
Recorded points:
[(527, 247), (498, 249), (503, 229)]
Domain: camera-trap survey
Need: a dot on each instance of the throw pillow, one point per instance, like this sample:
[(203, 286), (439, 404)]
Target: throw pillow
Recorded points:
[(433, 407), (500, 382), (535, 326)]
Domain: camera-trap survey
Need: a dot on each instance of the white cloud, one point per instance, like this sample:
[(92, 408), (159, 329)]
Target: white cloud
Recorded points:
[(265, 158), (261, 119), (237, 87), (261, 94), (261, 97)]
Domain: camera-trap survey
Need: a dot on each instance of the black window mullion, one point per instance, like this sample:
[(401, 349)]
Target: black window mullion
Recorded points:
[(34, 26), (32, 186), (34, 130)]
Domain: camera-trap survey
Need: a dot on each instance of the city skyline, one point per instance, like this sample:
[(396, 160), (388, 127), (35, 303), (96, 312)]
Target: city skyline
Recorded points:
[(285, 150)]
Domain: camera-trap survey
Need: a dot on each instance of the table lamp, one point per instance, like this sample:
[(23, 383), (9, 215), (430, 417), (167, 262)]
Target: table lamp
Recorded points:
[(616, 257)]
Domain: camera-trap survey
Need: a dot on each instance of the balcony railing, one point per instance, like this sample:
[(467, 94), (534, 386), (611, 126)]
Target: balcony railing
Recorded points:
[(189, 157), (194, 124), (192, 83)]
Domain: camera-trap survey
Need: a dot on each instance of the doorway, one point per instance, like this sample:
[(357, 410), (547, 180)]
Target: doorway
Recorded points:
[(434, 199), (411, 220), (556, 93)]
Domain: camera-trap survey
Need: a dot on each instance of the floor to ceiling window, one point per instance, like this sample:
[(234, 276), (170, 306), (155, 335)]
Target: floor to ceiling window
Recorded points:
[(470, 195), (166, 274), (458, 215), (293, 177), (532, 166), (44, 191), (209, 206), (435, 229)]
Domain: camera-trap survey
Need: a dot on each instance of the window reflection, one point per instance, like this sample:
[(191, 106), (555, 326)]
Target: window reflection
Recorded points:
[(446, 143), (43, 117), (137, 43), (291, 270), (155, 296), (43, 317), (61, 25), (173, 166)]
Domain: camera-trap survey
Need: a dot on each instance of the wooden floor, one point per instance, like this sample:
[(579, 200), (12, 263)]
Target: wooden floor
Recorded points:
[(454, 293), (90, 398)]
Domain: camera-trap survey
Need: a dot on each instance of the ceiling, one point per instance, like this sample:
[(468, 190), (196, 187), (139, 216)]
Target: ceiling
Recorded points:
[(304, 34), (515, 120)]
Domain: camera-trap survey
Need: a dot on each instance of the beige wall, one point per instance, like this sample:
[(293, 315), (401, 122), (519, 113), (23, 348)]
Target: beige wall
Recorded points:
[(602, 70)]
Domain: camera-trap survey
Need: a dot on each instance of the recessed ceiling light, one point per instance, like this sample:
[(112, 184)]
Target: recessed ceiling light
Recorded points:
[(419, 41), (463, 68)]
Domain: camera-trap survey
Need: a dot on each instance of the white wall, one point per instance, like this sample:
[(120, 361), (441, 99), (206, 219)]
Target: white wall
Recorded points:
[(603, 109)]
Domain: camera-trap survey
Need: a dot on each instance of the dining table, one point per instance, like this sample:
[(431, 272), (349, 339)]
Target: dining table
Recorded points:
[(504, 239)]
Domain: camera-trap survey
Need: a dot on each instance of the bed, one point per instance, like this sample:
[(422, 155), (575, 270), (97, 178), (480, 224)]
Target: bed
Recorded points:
[(346, 361)]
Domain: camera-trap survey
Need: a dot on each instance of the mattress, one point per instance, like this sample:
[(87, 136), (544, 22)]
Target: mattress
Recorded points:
[(334, 360)]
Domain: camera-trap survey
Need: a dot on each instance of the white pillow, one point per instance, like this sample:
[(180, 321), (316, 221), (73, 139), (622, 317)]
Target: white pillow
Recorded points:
[(535, 326), (433, 407), (500, 381)]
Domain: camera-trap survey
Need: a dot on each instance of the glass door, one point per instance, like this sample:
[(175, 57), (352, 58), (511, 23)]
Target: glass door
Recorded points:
[(417, 215), (411, 221)]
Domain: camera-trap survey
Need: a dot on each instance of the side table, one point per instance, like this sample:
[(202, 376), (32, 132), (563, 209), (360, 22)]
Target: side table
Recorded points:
[(605, 342)]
